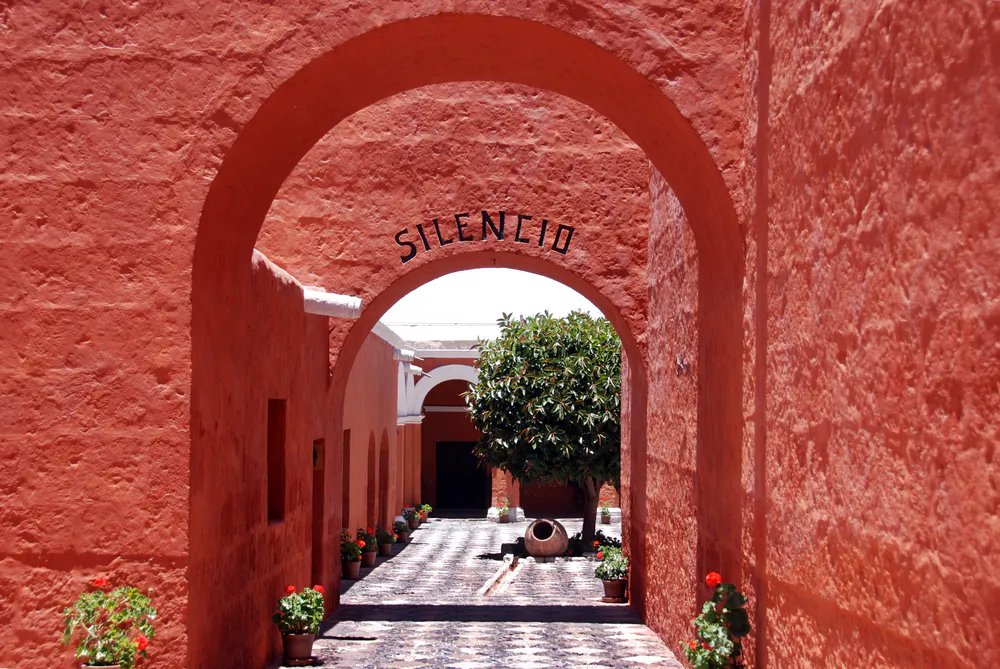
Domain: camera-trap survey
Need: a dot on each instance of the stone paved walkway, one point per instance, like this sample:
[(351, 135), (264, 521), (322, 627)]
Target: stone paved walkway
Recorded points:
[(420, 609)]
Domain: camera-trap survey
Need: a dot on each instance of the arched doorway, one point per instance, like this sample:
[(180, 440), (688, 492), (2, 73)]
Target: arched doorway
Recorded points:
[(436, 49)]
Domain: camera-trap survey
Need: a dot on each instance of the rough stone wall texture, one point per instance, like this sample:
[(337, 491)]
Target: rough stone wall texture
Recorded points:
[(883, 336), (672, 540)]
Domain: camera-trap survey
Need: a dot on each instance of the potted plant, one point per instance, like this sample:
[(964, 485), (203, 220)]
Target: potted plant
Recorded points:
[(412, 518), (110, 628), (722, 622), (402, 531), (369, 550), (385, 540), (613, 570), (504, 510), (350, 555), (425, 512), (298, 617), (605, 511)]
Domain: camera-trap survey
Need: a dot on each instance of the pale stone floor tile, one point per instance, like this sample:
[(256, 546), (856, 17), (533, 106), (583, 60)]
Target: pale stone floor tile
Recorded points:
[(422, 609)]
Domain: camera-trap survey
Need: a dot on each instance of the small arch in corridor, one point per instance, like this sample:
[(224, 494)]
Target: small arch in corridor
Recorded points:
[(436, 377)]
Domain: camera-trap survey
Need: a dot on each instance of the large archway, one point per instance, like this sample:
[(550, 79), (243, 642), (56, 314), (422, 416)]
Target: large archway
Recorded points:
[(444, 48)]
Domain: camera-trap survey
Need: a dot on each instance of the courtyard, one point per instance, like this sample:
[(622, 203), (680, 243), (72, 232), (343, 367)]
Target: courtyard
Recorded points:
[(422, 608)]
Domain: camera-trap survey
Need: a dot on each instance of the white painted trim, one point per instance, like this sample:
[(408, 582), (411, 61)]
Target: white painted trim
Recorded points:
[(385, 333), (438, 376), (333, 305), (409, 420), (458, 353), (445, 409)]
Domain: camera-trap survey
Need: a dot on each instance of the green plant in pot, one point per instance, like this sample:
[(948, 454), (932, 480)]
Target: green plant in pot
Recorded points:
[(605, 510), (402, 531), (425, 511), (298, 618), (110, 628), (350, 555), (385, 539), (503, 509), (613, 571), (722, 623), (412, 517), (370, 548)]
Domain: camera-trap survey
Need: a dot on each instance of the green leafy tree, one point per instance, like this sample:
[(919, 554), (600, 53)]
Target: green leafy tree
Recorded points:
[(548, 403)]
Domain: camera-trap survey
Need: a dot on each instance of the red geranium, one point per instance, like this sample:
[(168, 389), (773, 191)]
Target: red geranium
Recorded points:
[(600, 556), (596, 543), (713, 579), (360, 543), (706, 646), (141, 642), (101, 582), (318, 588), (290, 590), (370, 531), (692, 644)]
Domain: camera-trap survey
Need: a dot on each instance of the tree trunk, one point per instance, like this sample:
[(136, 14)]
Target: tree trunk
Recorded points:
[(591, 488)]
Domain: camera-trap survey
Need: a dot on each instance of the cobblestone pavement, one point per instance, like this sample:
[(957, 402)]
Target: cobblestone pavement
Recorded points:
[(421, 609)]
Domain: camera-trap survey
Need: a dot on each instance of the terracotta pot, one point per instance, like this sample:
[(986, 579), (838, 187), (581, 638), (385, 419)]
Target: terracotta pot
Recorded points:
[(403, 537), (504, 517), (385, 550), (298, 647), (368, 559), (615, 589), (546, 538), (414, 523), (351, 569), (605, 520)]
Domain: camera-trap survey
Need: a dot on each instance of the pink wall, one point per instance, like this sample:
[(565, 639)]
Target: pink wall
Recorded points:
[(370, 415), (240, 562)]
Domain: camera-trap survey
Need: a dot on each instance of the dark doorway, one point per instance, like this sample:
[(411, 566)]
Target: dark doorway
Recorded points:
[(461, 482)]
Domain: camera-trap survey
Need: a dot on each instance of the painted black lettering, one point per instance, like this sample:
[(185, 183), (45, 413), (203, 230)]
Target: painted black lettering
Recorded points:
[(461, 228), (517, 235), (541, 237), (569, 236), (413, 249), (441, 240), (487, 221), (423, 237)]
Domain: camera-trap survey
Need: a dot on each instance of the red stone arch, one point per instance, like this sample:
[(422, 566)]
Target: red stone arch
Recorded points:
[(445, 48)]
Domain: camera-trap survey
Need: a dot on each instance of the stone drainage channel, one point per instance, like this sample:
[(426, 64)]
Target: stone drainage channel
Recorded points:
[(448, 599)]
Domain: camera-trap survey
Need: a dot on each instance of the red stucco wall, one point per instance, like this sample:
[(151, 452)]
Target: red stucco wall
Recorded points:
[(134, 359), (370, 415), (883, 341)]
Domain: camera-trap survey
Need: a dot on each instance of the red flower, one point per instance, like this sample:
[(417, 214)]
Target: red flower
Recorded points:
[(395, 536), (370, 531), (713, 579), (101, 582), (290, 590), (596, 543), (692, 644), (706, 646), (600, 556), (360, 542), (318, 588), (141, 642)]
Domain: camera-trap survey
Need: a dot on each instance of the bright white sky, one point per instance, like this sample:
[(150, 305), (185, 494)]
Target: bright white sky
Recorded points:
[(483, 295)]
